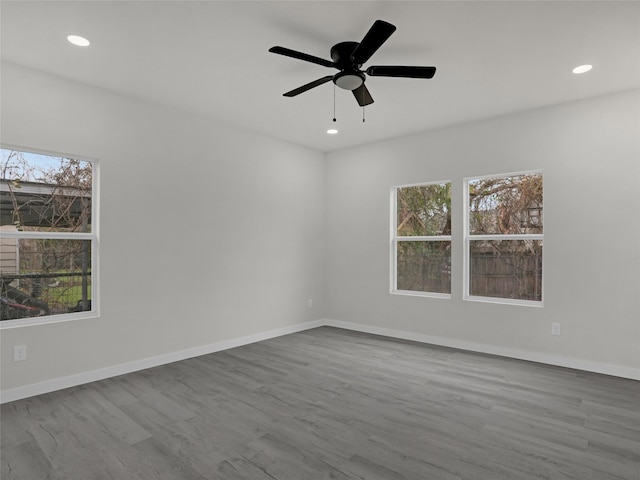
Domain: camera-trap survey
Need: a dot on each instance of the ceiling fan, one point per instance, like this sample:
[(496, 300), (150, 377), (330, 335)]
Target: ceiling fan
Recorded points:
[(348, 57)]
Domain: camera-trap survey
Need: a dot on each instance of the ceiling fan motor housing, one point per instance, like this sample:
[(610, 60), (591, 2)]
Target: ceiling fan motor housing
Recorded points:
[(350, 77), (341, 54)]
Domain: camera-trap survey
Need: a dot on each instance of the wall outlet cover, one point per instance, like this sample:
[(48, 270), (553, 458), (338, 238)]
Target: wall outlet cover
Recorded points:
[(19, 353)]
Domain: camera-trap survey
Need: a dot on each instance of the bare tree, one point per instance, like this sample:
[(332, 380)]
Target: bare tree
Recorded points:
[(52, 195)]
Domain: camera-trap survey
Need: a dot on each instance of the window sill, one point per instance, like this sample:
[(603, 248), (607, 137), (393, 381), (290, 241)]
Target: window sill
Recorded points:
[(28, 322), (504, 301), (411, 293)]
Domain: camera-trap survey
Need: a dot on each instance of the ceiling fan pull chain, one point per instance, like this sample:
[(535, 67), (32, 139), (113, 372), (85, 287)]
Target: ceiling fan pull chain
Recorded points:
[(362, 114), (334, 102)]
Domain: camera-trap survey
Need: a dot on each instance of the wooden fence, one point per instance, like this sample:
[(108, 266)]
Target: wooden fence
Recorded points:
[(515, 276)]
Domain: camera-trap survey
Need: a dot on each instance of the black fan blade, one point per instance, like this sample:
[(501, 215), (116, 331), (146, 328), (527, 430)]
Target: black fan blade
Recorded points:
[(407, 72), (372, 41), (363, 96), (308, 86), (287, 52)]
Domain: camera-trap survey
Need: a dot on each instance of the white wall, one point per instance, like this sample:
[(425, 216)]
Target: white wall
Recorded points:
[(590, 155), (208, 233)]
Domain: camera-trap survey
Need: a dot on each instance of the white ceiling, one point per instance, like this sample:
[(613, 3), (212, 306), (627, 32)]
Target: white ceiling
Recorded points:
[(211, 58)]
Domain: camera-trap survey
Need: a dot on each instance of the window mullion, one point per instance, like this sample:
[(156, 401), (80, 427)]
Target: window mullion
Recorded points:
[(513, 236), (431, 238), (48, 235)]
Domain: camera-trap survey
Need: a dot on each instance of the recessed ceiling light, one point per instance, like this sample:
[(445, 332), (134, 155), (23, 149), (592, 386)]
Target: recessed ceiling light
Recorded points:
[(78, 40), (332, 131), (582, 69)]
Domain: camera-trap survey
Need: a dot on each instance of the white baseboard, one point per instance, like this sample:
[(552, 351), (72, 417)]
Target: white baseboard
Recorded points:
[(557, 360), (73, 380), (55, 384)]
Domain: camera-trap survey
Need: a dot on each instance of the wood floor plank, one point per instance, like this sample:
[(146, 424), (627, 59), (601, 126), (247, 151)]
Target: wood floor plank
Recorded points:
[(331, 404), (26, 460)]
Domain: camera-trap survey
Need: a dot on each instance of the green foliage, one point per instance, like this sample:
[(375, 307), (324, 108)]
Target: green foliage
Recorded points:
[(63, 296), (424, 210)]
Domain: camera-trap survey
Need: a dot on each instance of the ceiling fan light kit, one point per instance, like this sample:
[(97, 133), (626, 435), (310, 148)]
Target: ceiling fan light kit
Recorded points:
[(348, 57), (348, 80)]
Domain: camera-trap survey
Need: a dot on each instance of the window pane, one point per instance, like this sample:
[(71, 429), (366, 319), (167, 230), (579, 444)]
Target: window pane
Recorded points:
[(424, 210), (424, 266), (44, 277), (43, 193), (506, 205), (506, 269)]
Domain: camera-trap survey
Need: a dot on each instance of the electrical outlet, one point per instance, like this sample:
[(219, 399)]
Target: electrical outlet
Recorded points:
[(19, 353), (310, 303), (555, 329)]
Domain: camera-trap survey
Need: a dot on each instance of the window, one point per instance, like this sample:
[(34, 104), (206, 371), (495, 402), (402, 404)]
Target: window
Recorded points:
[(48, 238), (421, 240), (503, 238)]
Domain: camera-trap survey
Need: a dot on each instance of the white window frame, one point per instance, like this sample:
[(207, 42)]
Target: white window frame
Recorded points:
[(394, 239), (93, 236), (466, 262)]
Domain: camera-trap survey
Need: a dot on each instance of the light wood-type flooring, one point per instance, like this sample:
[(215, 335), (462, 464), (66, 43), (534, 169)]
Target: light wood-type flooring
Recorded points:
[(331, 404)]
